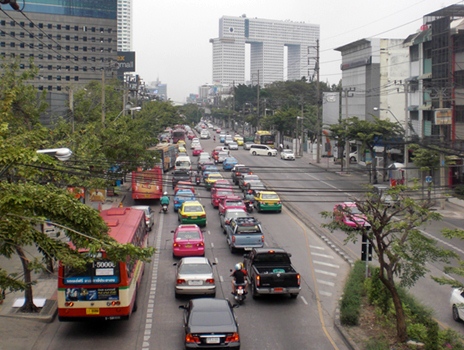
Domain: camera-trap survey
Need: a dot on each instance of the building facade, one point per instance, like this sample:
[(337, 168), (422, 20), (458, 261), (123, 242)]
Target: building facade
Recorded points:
[(70, 42), (267, 40), (124, 25)]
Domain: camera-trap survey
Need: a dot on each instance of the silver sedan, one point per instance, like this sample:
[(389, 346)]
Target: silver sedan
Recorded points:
[(194, 276), (287, 154), (225, 217)]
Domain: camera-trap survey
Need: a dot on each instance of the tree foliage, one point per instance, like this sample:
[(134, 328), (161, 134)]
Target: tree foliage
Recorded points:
[(400, 247)]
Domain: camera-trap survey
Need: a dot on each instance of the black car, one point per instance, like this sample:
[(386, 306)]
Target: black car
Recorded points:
[(180, 175), (210, 323), (238, 171)]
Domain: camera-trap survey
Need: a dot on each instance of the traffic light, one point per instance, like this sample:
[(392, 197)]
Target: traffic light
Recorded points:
[(12, 3), (366, 249)]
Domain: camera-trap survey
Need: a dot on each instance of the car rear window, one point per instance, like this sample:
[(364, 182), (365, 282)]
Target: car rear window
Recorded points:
[(194, 269), (211, 318), (193, 208), (237, 202), (188, 235)]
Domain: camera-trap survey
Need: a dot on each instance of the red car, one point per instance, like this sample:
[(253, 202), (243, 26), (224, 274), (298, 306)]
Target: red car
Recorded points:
[(190, 135), (188, 240), (197, 150), (233, 202), (349, 214), (218, 193)]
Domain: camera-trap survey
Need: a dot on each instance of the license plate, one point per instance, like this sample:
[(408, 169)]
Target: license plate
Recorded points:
[(93, 311), (195, 283), (212, 340), (188, 246), (278, 290), (240, 291), (247, 248), (194, 217)]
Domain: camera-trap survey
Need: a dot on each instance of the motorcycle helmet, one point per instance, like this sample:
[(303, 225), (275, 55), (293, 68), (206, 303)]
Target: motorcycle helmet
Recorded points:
[(238, 267), (250, 192)]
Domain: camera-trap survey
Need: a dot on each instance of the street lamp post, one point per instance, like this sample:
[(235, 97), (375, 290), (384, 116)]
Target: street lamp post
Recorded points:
[(406, 135), (298, 153)]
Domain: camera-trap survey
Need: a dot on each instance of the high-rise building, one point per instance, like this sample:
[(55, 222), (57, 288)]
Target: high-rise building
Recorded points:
[(71, 42), (124, 25), (267, 40)]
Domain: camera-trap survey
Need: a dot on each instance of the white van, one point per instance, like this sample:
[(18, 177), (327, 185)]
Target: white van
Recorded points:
[(183, 163), (262, 150)]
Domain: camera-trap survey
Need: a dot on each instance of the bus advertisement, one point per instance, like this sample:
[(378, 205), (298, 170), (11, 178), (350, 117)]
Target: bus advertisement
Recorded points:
[(167, 154), (264, 137), (105, 289), (178, 134), (147, 184)]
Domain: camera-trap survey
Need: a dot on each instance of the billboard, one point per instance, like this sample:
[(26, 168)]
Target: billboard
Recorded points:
[(126, 62)]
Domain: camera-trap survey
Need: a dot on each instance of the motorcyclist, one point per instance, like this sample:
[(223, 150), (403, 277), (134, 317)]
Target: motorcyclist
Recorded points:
[(214, 138), (164, 200), (239, 275), (249, 197)]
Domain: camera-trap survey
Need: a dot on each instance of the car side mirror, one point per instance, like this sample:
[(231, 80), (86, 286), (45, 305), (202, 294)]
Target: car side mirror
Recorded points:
[(183, 307), (246, 256)]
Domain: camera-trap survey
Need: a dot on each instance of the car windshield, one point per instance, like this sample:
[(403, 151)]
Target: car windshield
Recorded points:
[(188, 235), (270, 196), (224, 192), (193, 209), (223, 154), (237, 202), (251, 177), (353, 210), (182, 163), (211, 318), (193, 269)]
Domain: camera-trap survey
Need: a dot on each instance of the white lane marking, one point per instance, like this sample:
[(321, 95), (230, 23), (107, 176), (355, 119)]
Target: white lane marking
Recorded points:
[(325, 272), (316, 247), (212, 245), (323, 255), (327, 283), (328, 294), (216, 260), (221, 279), (304, 300), (326, 264)]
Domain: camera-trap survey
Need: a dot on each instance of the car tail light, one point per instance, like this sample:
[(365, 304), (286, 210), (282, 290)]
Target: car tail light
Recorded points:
[(69, 303), (176, 201), (184, 216), (210, 280), (203, 216), (201, 244), (174, 245), (233, 239), (278, 202), (113, 303), (234, 337), (180, 281), (298, 278), (189, 338), (262, 238), (258, 281)]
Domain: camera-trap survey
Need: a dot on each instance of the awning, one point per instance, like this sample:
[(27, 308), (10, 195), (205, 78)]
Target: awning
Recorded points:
[(412, 108), (425, 76), (414, 78), (425, 107)]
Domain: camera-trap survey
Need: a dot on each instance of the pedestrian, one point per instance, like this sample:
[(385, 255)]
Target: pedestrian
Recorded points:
[(281, 147)]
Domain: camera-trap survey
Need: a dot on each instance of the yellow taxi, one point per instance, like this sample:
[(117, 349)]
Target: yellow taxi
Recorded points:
[(239, 140), (192, 212), (181, 149), (181, 143), (211, 179), (267, 201)]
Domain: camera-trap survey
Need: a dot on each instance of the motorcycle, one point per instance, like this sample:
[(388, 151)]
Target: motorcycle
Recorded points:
[(164, 208), (249, 206), (198, 180), (240, 293)]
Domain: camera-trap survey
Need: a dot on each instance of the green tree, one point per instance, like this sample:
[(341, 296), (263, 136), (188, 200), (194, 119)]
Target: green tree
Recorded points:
[(400, 247), (371, 133)]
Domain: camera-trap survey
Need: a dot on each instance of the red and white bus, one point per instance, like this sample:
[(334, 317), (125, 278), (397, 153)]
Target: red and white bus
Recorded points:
[(105, 290), (178, 134), (147, 184)]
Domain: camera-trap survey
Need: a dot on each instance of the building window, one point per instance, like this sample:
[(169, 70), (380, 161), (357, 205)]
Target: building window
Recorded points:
[(40, 36), (2, 33), (67, 47), (58, 26), (58, 47), (76, 48), (12, 44), (84, 68), (76, 28), (12, 23), (40, 46), (58, 88), (68, 27), (459, 79), (41, 25), (58, 77), (84, 48), (12, 34), (459, 112), (21, 24), (40, 87), (31, 45), (40, 56), (31, 25), (21, 66), (76, 68), (50, 46), (50, 57), (84, 38), (84, 58), (2, 22), (50, 88), (49, 67), (110, 30), (102, 30), (68, 68), (31, 35), (49, 26), (84, 28), (93, 29), (76, 78), (58, 57), (414, 52), (22, 45), (68, 37), (68, 78), (49, 36), (49, 77), (21, 55), (76, 38), (22, 35), (58, 37), (58, 68)]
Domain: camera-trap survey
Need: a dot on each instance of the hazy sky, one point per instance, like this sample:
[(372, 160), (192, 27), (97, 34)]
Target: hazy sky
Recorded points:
[(171, 37)]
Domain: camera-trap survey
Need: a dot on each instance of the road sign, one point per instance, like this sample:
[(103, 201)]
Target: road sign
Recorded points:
[(428, 179)]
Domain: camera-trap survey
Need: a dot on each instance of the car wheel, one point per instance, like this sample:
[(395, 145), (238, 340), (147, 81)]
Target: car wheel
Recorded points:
[(232, 249), (456, 314), (134, 308), (253, 153), (269, 154), (254, 294), (353, 159), (177, 295)]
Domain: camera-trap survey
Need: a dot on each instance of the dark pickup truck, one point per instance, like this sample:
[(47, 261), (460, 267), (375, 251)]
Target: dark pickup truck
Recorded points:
[(270, 271), (180, 175)]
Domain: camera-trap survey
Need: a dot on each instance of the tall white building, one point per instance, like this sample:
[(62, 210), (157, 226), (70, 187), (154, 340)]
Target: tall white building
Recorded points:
[(124, 25), (267, 40)]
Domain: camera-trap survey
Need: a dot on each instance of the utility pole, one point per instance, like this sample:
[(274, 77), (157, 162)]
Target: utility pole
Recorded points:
[(103, 97), (318, 107), (442, 155), (406, 133), (71, 107), (257, 107), (349, 92)]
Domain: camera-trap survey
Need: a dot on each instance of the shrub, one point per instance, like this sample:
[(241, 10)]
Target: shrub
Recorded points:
[(352, 295), (378, 295)]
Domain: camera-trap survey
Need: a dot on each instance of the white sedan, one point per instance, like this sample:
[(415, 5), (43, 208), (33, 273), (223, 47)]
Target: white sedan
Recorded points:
[(233, 145), (287, 154), (457, 304)]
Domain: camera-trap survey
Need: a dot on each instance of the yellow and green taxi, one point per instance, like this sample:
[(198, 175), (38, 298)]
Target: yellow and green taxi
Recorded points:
[(211, 179), (192, 212), (268, 201)]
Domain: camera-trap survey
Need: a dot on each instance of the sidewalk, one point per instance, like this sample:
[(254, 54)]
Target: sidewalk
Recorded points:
[(45, 289)]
